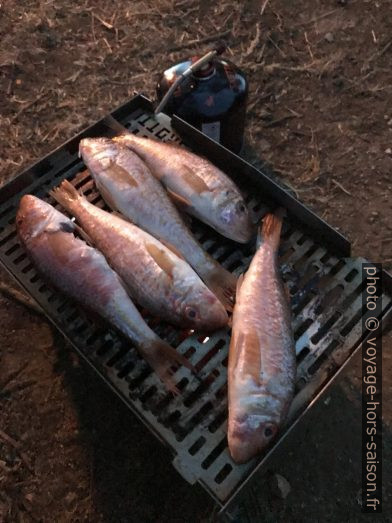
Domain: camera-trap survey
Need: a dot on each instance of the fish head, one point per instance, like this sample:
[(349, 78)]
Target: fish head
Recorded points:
[(35, 216), (234, 218), (202, 309), (97, 153), (250, 435)]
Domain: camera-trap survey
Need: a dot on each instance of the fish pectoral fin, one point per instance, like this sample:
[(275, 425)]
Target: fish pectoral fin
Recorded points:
[(161, 259), (121, 174), (106, 196), (193, 180), (287, 292), (173, 249), (239, 283), (248, 342), (223, 284), (161, 356), (236, 346), (178, 200)]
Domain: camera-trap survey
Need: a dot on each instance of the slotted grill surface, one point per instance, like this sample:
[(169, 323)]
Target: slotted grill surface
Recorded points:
[(326, 305)]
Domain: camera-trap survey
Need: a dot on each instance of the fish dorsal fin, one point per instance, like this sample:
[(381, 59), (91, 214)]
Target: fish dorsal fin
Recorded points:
[(161, 259), (178, 200), (193, 180), (173, 249), (239, 283), (121, 174), (119, 215)]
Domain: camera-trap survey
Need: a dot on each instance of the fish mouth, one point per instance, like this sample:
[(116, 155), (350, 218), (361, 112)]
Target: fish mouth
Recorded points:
[(243, 236), (214, 315), (85, 147), (213, 322), (216, 325), (246, 442)]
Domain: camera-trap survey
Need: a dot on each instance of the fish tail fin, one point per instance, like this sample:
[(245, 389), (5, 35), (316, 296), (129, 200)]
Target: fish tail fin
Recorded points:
[(223, 284), (66, 195), (161, 356), (114, 125), (272, 226)]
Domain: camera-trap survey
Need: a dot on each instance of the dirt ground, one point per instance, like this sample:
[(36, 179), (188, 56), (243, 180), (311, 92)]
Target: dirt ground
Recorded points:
[(319, 113)]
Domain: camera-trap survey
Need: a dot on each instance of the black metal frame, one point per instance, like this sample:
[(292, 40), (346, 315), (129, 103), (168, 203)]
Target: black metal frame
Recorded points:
[(60, 159)]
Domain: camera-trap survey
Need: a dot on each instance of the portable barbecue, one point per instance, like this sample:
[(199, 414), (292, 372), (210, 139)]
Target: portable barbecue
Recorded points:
[(325, 286)]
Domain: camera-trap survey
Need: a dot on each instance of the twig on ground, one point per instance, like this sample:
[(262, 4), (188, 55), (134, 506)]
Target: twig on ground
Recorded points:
[(263, 7), (105, 24), (308, 46), (316, 66), (28, 105), (254, 42), (382, 51), (93, 27), (338, 184), (298, 115), (5, 437), (14, 375), (197, 41), (20, 297), (260, 56), (278, 121), (107, 45), (317, 18), (277, 47)]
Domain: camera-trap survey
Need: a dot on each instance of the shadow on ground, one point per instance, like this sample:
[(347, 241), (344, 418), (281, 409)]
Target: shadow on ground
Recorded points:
[(132, 476), (133, 479)]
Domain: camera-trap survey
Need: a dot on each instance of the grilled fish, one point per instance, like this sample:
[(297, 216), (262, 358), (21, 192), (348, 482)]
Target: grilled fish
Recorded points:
[(195, 185), (82, 273), (261, 370), (127, 186), (155, 276)]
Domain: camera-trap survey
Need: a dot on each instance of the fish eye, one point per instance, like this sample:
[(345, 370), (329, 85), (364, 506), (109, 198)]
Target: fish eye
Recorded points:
[(191, 313), (241, 207), (269, 431)]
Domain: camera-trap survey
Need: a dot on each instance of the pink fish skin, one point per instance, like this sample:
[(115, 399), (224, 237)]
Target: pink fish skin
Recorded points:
[(155, 276), (196, 185), (262, 366), (82, 273), (128, 186)]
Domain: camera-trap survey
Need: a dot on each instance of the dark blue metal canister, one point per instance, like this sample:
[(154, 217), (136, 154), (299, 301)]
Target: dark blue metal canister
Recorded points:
[(212, 99)]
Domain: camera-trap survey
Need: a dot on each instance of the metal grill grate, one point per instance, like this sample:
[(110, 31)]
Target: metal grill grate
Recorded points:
[(326, 303)]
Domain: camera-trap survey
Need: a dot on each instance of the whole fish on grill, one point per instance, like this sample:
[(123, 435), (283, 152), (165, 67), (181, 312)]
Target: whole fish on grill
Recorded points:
[(155, 276), (261, 370), (127, 186), (82, 273), (194, 183)]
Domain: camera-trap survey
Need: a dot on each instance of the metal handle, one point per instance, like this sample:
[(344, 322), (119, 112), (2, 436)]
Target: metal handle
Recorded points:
[(194, 67)]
